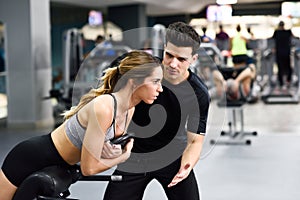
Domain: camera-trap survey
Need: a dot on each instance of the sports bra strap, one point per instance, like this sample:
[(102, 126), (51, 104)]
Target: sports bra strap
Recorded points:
[(115, 113)]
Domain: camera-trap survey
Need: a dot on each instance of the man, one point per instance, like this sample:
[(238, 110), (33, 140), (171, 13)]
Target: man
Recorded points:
[(282, 49), (175, 127)]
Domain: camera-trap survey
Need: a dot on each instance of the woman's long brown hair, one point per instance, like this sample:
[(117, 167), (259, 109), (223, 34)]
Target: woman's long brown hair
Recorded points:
[(136, 65)]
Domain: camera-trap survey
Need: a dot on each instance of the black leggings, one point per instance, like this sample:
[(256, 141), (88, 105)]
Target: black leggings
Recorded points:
[(30, 156), (133, 184), (284, 67)]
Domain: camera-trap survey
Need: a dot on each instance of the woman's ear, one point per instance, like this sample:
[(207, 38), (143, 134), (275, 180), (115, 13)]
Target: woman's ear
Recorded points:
[(132, 83)]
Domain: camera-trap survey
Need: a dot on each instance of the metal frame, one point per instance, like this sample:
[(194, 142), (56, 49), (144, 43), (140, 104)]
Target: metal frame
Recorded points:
[(270, 96), (236, 137)]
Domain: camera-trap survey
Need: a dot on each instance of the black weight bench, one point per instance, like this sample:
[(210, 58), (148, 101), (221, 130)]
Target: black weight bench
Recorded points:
[(235, 136), (52, 183)]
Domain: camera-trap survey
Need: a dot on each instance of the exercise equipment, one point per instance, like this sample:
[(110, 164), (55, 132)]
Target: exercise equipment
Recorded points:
[(236, 133), (122, 140), (72, 56), (210, 57), (157, 39), (81, 75), (52, 183), (275, 95)]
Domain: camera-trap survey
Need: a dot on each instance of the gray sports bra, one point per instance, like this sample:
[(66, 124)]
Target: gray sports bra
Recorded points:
[(75, 131)]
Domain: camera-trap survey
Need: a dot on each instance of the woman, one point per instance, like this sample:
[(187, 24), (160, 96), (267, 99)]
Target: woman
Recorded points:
[(102, 114), (238, 47)]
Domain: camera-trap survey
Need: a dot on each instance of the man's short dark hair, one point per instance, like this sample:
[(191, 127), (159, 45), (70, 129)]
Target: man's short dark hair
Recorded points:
[(183, 35)]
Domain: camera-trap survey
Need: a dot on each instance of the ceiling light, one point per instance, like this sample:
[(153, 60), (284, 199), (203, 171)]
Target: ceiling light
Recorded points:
[(222, 2)]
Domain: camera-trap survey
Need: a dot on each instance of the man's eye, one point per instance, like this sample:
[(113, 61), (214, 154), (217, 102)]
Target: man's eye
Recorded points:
[(169, 55), (181, 59)]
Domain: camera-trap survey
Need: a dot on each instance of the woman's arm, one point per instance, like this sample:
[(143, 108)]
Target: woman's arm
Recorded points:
[(113, 150), (100, 118)]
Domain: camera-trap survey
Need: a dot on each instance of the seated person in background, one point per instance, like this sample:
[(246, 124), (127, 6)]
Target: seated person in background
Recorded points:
[(235, 81)]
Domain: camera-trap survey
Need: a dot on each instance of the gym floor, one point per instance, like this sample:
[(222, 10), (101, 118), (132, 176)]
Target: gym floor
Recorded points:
[(266, 169)]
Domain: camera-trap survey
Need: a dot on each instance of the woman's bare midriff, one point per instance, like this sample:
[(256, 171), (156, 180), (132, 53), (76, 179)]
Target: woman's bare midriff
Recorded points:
[(65, 148)]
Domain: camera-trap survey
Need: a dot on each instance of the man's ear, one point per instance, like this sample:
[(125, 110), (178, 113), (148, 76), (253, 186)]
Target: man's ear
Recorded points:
[(195, 57)]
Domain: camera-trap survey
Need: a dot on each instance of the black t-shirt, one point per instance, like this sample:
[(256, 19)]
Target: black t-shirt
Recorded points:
[(283, 41), (179, 108)]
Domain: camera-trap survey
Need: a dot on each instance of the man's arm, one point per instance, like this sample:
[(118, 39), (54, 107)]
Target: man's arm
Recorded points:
[(190, 157)]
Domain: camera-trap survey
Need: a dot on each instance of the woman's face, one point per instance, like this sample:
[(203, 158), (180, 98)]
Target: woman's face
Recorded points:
[(151, 87)]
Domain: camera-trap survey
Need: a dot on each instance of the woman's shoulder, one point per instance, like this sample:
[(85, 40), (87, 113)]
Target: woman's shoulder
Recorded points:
[(103, 98), (104, 101), (101, 106)]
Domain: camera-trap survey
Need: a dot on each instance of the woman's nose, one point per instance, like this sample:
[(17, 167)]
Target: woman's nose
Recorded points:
[(160, 88)]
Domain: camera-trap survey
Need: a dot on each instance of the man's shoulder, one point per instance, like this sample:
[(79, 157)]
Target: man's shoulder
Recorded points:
[(200, 88), (196, 81)]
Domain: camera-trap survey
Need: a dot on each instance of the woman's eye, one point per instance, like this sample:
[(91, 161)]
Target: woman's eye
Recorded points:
[(156, 82)]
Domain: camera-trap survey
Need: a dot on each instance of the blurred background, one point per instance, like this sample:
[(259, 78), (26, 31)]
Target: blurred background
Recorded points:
[(53, 51)]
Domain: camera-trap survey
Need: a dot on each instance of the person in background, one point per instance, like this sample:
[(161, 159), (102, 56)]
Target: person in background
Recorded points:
[(99, 39), (101, 115), (283, 43), (205, 38), (222, 42), (170, 153), (238, 48), (236, 82)]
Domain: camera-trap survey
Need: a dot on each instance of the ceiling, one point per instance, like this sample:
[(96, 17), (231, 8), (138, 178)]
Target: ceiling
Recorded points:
[(157, 7)]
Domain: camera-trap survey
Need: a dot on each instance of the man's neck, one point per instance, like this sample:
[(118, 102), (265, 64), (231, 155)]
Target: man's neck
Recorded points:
[(178, 81)]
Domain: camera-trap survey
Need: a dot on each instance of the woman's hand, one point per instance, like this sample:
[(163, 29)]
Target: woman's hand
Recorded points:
[(127, 149), (111, 150)]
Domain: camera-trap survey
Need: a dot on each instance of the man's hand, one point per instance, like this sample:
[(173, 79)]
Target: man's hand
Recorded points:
[(111, 150), (181, 175)]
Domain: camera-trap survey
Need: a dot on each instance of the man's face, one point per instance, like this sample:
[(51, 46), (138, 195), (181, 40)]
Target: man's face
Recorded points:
[(176, 61)]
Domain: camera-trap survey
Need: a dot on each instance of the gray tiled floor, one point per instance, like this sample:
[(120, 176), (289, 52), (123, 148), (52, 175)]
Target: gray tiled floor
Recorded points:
[(268, 169)]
